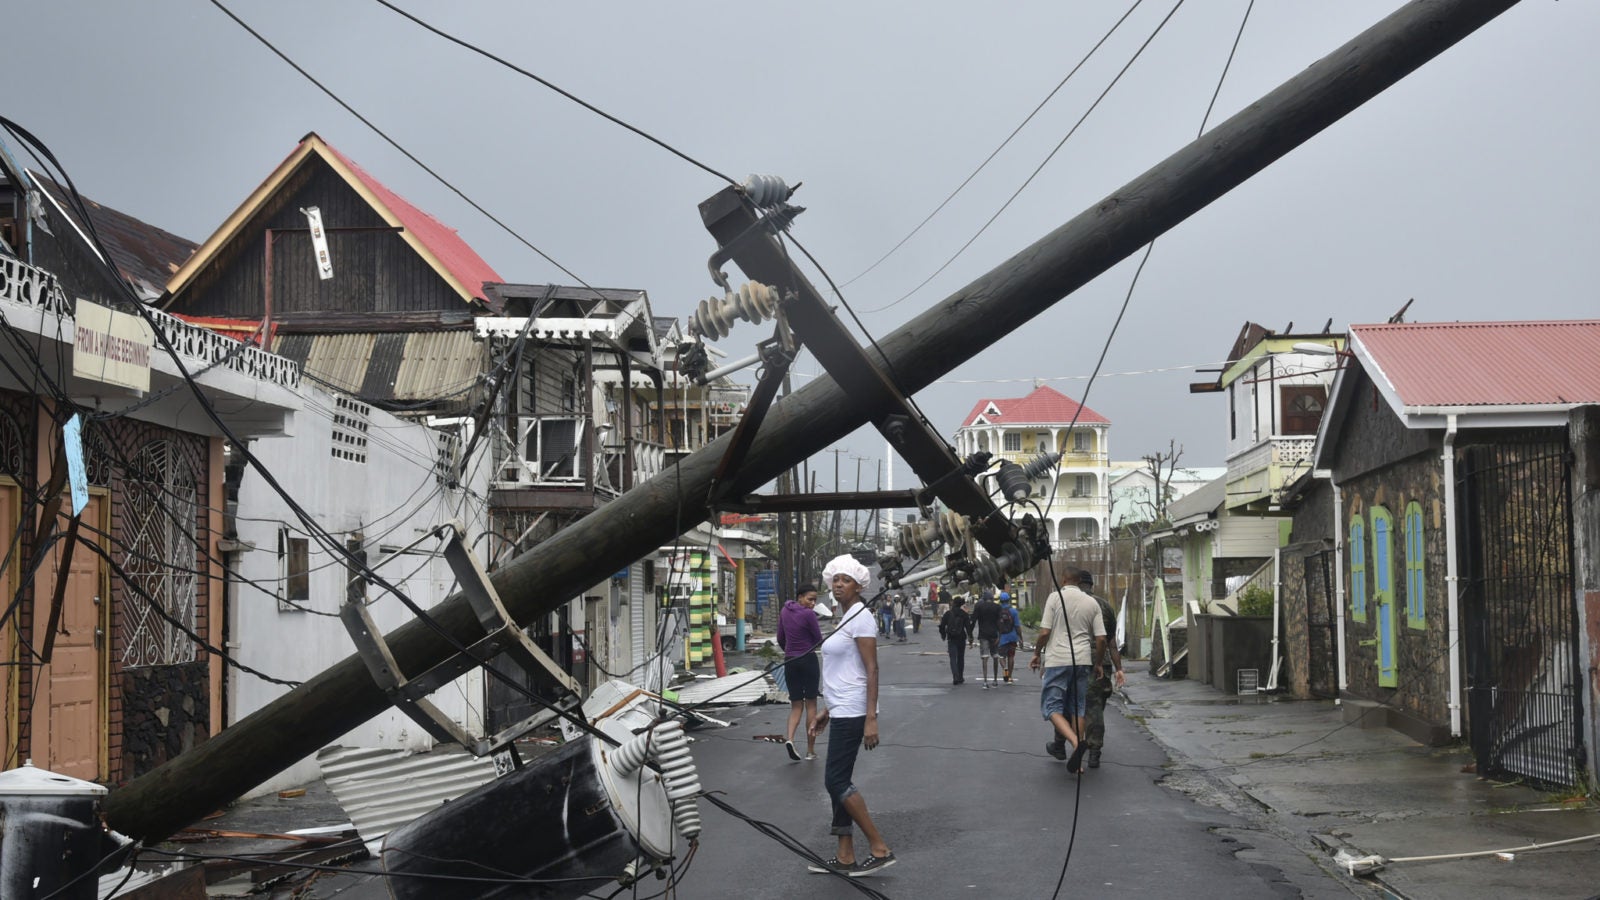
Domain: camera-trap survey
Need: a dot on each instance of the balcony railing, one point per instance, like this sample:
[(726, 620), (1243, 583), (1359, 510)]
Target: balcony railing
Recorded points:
[(1261, 471), (31, 286)]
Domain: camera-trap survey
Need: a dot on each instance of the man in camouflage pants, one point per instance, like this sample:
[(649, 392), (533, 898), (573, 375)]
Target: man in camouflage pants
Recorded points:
[(1100, 688)]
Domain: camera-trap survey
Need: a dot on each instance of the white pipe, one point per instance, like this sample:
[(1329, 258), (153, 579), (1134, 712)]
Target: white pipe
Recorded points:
[(1338, 576), (729, 369), (1452, 604), (1277, 601)]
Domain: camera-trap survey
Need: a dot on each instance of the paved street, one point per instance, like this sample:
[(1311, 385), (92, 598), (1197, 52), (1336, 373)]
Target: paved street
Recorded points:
[(971, 804)]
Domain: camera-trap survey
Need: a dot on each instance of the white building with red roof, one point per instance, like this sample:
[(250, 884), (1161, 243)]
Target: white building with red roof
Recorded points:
[(1076, 501)]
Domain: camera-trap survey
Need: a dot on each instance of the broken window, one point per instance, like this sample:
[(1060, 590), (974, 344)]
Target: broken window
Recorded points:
[(294, 569)]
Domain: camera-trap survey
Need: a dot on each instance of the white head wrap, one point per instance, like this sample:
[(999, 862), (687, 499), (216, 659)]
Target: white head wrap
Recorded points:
[(846, 565)]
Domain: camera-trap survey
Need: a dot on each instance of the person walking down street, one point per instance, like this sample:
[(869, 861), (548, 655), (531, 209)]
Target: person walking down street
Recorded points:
[(850, 689), (986, 621), (956, 629), (898, 605), (916, 613), (1071, 635), (1010, 635), (885, 618), (799, 634), (1101, 686)]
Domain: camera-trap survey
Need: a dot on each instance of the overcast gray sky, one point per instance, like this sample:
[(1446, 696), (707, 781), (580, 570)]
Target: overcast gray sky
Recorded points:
[(1471, 186)]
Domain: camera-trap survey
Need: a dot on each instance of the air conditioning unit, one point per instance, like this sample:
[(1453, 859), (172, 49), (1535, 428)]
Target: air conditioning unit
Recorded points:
[(552, 446)]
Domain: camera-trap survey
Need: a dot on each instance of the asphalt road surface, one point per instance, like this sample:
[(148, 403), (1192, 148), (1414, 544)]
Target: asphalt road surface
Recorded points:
[(972, 806)]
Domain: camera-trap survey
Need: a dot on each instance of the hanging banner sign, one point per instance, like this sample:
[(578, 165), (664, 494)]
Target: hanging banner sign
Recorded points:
[(112, 347), (319, 240), (72, 441)]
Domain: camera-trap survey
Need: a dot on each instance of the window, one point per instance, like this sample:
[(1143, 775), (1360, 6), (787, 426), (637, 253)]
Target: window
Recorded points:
[(1082, 485), (294, 567), (569, 393), (1302, 408), (1416, 611), (1358, 568), (1233, 416), (1013, 442), (1080, 442), (355, 590)]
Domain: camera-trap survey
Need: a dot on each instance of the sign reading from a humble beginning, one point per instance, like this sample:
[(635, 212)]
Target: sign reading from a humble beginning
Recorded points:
[(112, 347)]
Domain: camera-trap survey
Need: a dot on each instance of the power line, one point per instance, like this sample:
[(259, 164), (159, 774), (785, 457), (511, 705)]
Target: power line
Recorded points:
[(396, 145), (1040, 168), (567, 94), (996, 152)]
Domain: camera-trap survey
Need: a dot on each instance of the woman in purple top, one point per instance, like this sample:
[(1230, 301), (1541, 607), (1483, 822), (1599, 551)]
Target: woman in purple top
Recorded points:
[(798, 635)]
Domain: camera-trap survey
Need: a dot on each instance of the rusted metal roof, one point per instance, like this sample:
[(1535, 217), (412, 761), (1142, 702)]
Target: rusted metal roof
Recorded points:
[(1045, 406), (1483, 364), (145, 256)]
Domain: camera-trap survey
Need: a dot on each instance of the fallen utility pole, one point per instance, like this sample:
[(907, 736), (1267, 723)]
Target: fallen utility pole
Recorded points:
[(320, 710)]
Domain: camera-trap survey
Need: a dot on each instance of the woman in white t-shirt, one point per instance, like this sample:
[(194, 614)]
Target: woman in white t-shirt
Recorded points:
[(850, 690)]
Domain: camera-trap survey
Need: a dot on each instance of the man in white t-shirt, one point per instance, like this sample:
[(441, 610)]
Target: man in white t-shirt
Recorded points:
[(1071, 641)]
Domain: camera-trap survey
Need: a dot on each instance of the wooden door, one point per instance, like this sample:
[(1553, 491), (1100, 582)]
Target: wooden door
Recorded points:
[(68, 712)]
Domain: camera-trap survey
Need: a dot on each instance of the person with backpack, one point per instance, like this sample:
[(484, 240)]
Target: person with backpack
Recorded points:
[(986, 620), (955, 626), (1010, 635)]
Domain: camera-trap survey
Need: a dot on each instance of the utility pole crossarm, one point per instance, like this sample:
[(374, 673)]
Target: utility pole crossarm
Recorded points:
[(731, 220)]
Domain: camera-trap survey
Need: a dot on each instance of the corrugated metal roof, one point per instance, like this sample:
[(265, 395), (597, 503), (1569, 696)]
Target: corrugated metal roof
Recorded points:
[(438, 362), (738, 689), (402, 367), (340, 360), (1484, 363), (382, 790), (1045, 406)]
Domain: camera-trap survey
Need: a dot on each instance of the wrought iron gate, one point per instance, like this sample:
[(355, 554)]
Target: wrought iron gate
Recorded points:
[(1519, 615)]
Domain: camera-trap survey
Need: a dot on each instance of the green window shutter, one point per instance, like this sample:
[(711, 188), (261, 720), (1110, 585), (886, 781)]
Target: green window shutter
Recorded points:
[(1358, 569), (1416, 567), (1383, 579)]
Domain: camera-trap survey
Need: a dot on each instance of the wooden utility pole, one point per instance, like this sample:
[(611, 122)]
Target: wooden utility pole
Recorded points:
[(307, 718)]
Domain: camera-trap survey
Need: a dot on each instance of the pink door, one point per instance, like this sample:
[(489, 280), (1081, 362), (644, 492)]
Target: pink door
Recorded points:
[(68, 709)]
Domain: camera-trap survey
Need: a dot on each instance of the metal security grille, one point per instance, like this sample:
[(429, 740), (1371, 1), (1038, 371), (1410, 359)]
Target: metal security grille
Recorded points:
[(1518, 610), (161, 505)]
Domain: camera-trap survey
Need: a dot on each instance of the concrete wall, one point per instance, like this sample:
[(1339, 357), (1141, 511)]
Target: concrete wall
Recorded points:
[(385, 503)]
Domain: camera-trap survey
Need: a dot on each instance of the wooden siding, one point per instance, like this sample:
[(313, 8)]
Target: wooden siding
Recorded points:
[(375, 272)]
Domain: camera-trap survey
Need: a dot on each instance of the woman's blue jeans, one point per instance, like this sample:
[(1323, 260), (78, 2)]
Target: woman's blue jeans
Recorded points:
[(844, 742)]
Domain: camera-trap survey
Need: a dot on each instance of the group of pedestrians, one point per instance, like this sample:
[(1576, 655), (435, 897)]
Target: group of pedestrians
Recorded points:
[(1079, 667), (994, 626)]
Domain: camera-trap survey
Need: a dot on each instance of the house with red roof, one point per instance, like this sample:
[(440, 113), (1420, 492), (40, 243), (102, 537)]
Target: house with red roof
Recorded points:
[(552, 394), (1075, 498), (1444, 541)]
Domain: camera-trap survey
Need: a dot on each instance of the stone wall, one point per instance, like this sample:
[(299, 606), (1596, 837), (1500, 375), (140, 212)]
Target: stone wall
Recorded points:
[(1421, 654), (164, 713)]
